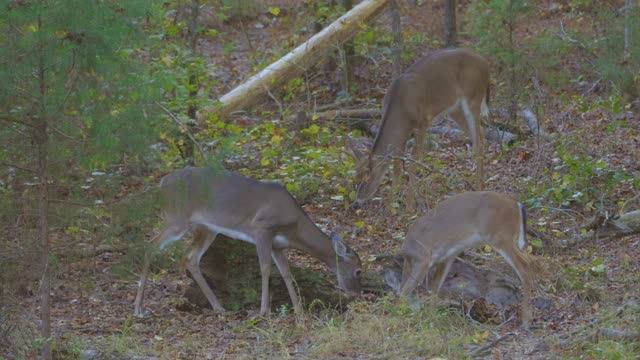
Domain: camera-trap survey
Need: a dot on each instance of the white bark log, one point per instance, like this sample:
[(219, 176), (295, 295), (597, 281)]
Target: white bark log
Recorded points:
[(625, 224), (532, 122), (298, 60)]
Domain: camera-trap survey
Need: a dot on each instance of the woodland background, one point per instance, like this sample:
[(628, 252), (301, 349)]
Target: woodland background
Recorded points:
[(100, 99)]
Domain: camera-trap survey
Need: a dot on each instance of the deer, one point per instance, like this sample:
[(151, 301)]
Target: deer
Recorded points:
[(460, 222), (211, 202), (449, 82)]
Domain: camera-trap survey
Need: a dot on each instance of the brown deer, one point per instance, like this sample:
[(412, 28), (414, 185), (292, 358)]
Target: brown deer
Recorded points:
[(450, 82), (264, 214), (458, 223)]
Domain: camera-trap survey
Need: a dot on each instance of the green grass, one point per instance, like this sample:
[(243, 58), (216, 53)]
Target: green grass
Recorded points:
[(385, 329)]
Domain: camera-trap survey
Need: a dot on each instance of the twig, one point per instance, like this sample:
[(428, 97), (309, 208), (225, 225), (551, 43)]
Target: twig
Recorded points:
[(246, 36), (108, 203), (183, 126), (412, 160), (64, 135), (16, 122), (275, 100), (592, 323), (565, 35), (592, 87), (31, 171), (490, 345), (615, 334)]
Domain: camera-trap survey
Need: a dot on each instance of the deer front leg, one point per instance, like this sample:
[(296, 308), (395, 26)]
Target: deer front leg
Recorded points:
[(264, 247), (417, 155), (283, 266), (413, 272), (396, 180), (203, 240)]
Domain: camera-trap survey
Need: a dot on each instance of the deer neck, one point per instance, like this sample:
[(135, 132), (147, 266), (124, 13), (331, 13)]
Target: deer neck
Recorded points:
[(310, 239), (390, 141)]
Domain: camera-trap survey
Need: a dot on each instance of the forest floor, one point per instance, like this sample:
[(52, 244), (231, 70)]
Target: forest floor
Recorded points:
[(582, 287)]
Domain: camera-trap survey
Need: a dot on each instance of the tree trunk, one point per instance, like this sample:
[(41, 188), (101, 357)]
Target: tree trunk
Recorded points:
[(513, 96), (192, 109), (298, 60), (346, 55), (40, 139), (628, 10), (450, 33), (396, 28)]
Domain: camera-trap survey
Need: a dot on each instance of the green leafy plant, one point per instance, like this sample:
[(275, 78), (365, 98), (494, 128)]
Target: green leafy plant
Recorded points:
[(577, 178)]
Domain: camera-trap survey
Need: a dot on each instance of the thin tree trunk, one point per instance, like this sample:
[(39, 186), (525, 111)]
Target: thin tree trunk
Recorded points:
[(628, 9), (346, 54), (513, 101), (192, 109), (396, 28), (40, 138), (450, 32)]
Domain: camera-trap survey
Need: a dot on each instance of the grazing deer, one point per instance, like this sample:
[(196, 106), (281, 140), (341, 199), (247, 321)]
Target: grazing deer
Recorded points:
[(460, 222), (451, 82), (264, 214)]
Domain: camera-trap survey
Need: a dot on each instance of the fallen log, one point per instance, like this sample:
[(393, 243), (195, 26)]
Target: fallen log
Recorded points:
[(532, 122), (623, 225), (615, 334), (299, 60), (366, 120)]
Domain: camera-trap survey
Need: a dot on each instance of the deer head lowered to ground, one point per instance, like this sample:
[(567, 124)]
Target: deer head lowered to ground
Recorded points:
[(460, 222), (451, 82), (264, 214)]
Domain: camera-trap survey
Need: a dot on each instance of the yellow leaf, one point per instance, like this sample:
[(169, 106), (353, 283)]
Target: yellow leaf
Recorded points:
[(274, 11), (487, 248), (167, 60), (264, 162), (359, 224), (555, 175), (276, 139)]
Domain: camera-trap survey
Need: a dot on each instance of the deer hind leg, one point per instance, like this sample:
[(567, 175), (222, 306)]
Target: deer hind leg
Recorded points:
[(168, 235), (283, 266), (475, 131), (203, 240), (520, 262)]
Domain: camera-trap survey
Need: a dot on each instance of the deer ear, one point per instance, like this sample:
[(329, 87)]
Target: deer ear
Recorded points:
[(338, 244)]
